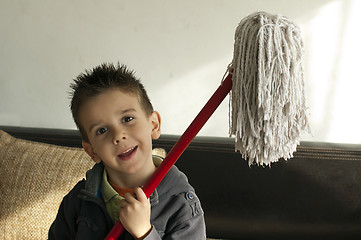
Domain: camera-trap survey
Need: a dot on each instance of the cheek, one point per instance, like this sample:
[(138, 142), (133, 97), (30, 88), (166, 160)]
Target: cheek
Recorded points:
[(100, 148), (143, 135)]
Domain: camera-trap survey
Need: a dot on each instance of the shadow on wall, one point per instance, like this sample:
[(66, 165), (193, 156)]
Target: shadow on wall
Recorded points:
[(325, 26), (331, 50)]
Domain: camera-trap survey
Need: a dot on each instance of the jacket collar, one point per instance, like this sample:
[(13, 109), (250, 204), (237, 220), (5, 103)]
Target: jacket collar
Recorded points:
[(170, 185), (95, 178)]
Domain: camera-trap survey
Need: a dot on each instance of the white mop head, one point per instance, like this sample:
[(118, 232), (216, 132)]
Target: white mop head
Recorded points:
[(268, 110)]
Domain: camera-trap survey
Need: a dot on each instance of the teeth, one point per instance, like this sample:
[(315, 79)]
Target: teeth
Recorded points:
[(130, 149)]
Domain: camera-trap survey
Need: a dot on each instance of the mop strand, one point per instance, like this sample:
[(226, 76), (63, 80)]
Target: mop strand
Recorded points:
[(268, 109)]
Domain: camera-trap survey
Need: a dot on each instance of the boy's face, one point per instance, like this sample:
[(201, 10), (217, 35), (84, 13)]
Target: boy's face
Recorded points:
[(120, 133)]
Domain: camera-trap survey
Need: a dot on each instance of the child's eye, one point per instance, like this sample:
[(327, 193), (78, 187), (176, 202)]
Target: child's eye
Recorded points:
[(101, 130), (127, 119)]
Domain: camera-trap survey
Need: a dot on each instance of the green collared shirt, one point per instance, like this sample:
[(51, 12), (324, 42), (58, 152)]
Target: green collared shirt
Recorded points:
[(112, 198)]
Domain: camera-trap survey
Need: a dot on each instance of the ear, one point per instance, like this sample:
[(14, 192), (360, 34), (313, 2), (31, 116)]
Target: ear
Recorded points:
[(88, 148), (156, 122)]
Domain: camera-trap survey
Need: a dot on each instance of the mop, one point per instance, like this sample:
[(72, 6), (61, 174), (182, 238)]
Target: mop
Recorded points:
[(267, 105), (267, 97)]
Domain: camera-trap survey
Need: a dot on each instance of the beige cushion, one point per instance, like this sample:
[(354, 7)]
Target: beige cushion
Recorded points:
[(34, 177)]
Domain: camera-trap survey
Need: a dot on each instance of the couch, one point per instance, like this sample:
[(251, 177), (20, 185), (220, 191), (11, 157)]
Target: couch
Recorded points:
[(316, 194)]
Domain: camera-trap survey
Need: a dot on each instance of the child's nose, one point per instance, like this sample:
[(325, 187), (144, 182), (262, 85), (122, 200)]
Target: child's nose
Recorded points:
[(119, 135)]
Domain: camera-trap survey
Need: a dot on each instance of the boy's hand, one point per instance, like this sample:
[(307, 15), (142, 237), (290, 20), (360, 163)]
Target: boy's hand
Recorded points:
[(134, 213)]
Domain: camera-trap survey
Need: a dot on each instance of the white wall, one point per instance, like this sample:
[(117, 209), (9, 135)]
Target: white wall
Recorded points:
[(180, 50)]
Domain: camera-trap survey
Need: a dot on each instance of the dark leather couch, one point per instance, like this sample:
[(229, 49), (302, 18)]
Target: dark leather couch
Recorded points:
[(315, 195)]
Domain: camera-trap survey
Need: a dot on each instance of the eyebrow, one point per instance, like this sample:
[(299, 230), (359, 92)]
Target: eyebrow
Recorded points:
[(128, 110), (122, 112)]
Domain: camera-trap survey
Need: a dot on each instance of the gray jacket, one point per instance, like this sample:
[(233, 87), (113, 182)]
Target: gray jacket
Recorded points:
[(176, 212)]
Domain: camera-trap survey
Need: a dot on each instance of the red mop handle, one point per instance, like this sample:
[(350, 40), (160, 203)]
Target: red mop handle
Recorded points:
[(180, 146)]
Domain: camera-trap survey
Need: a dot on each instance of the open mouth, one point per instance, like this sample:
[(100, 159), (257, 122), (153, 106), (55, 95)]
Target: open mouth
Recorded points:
[(128, 153)]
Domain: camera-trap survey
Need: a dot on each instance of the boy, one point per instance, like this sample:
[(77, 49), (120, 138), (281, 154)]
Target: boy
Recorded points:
[(117, 123)]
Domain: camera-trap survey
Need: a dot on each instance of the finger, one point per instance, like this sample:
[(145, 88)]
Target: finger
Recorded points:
[(129, 198), (140, 195), (123, 203)]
